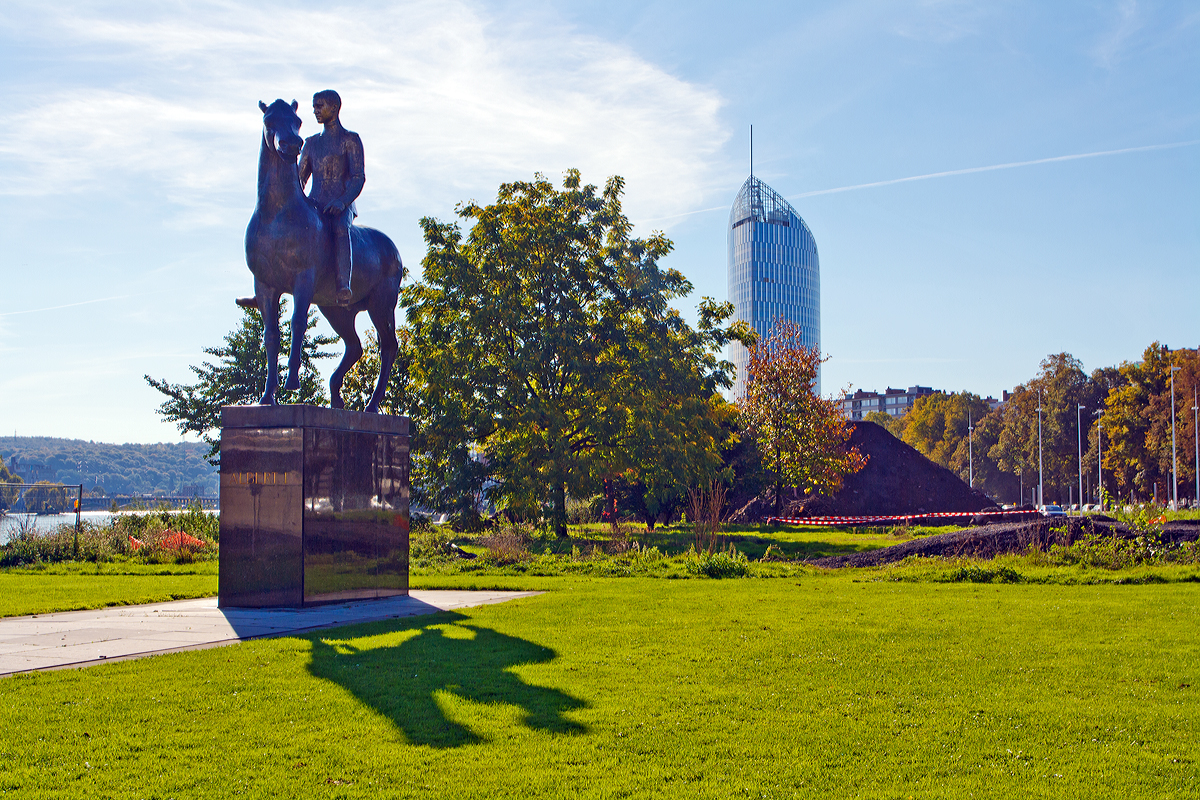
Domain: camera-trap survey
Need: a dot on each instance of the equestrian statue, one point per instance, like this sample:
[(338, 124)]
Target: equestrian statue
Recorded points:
[(308, 246)]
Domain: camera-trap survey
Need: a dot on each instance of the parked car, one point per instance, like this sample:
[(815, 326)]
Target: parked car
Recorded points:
[(1052, 511)]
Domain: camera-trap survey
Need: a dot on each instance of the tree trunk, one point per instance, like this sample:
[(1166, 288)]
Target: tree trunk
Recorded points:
[(610, 502), (559, 514), (778, 499)]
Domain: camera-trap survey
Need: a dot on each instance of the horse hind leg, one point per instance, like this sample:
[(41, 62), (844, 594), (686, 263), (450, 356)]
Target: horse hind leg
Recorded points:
[(381, 306), (341, 319)]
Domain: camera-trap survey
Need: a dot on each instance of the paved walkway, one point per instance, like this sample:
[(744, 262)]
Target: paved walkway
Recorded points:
[(84, 638)]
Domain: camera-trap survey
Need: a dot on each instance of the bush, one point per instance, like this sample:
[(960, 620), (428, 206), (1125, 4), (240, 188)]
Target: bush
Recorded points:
[(153, 537), (430, 542), (721, 564), (509, 544), (581, 511), (985, 574), (194, 521), (28, 545)]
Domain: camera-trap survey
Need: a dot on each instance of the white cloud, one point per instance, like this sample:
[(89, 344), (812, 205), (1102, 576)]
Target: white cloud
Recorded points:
[(944, 21), (1128, 22), (449, 103)]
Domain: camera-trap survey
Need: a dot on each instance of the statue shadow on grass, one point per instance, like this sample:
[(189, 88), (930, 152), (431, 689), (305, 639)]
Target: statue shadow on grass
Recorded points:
[(445, 655)]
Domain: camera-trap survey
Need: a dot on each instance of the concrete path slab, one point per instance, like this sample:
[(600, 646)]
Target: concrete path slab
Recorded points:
[(85, 638)]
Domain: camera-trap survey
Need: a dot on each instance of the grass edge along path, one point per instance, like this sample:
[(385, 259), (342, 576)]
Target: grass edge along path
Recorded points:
[(79, 587), (642, 687)]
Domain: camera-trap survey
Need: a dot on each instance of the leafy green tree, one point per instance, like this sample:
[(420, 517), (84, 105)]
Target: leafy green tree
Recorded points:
[(893, 425), (801, 435), (989, 478), (678, 422), (46, 497), (938, 427), (1137, 424), (937, 423), (1060, 386), (238, 377), (8, 494), (547, 351)]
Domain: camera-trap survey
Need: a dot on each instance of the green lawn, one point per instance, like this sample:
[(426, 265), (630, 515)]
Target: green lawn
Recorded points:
[(817, 686), (790, 541), (71, 587)]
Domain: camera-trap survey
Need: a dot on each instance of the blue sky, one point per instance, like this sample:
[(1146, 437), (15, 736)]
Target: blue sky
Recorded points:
[(128, 167)]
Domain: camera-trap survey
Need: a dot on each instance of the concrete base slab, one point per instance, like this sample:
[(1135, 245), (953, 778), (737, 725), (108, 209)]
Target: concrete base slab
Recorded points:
[(86, 638)]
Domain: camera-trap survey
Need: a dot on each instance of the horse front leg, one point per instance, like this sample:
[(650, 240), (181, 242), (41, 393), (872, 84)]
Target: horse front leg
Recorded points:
[(302, 294), (268, 310)]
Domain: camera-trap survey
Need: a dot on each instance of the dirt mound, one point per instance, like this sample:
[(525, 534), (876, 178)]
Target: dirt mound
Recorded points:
[(896, 480), (990, 541)]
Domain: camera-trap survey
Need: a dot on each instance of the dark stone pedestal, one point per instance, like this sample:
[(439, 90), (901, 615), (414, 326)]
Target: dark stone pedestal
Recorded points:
[(314, 506)]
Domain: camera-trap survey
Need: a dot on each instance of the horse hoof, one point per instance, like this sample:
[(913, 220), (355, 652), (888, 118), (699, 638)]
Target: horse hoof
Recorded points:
[(266, 400), (373, 408), (292, 384)]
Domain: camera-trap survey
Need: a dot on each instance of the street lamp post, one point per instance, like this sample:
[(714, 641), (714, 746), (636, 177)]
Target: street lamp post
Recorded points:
[(1098, 414), (1079, 438), (1041, 497), (1174, 460)]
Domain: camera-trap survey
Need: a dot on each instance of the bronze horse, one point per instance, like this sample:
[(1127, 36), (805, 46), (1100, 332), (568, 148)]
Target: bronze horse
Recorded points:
[(290, 251)]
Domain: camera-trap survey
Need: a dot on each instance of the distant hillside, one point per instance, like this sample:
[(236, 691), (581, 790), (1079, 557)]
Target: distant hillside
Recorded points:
[(117, 468)]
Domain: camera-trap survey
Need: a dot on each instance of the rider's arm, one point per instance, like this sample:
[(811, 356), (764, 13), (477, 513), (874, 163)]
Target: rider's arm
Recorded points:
[(358, 177), (305, 166)]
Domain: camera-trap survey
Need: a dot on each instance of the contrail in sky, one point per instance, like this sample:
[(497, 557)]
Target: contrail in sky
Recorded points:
[(1010, 165), (967, 171), (68, 305)]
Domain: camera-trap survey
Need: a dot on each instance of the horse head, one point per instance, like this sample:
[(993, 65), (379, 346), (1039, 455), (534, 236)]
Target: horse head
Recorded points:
[(281, 129)]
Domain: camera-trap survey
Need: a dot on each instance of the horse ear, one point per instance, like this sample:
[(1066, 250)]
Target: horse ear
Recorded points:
[(295, 105), (263, 106)]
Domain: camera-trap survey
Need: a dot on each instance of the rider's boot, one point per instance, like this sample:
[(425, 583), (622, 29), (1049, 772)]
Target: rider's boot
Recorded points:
[(342, 257)]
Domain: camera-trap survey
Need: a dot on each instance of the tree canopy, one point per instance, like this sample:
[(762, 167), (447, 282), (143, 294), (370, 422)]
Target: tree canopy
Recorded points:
[(238, 377), (1135, 401), (802, 436), (1137, 423), (549, 357)]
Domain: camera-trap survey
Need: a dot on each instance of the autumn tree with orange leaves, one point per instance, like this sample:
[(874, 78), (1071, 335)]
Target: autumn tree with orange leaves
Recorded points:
[(801, 436)]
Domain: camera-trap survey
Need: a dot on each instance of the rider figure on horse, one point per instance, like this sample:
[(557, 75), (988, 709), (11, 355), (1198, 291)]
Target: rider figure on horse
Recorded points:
[(334, 160)]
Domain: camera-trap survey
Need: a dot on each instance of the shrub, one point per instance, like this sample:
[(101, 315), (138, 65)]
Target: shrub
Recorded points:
[(581, 511), (1096, 551), (985, 574), (509, 544), (721, 564), (28, 545), (430, 542)]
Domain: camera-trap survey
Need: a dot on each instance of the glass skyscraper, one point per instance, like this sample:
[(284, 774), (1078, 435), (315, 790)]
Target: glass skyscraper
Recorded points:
[(773, 269)]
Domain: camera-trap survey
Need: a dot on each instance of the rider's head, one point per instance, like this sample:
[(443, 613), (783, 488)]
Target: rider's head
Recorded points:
[(326, 105)]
